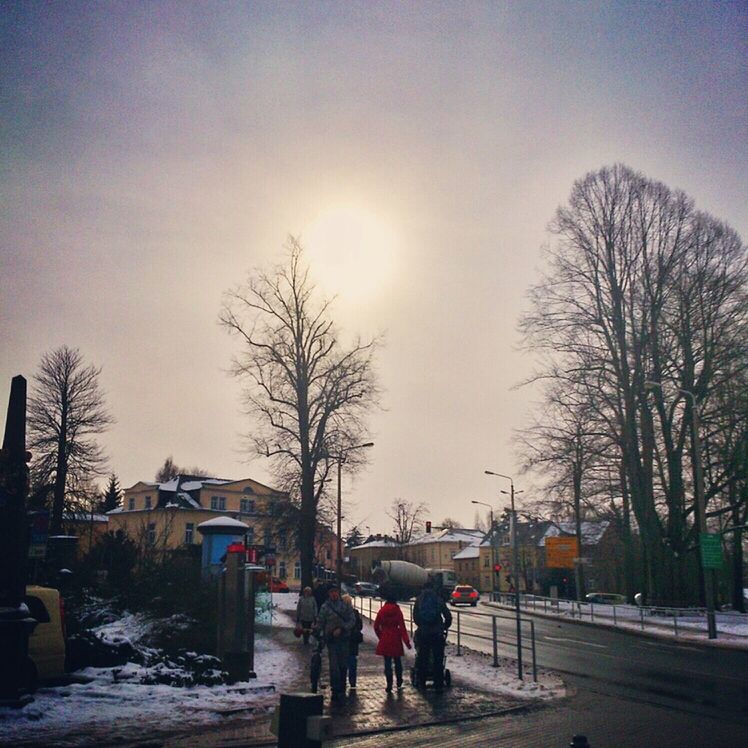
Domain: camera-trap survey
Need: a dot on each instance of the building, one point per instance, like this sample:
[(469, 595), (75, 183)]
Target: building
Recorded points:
[(165, 516), (361, 558), (438, 550), (467, 566)]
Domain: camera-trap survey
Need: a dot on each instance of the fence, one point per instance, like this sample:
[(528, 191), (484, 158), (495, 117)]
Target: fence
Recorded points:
[(680, 620), (472, 626)]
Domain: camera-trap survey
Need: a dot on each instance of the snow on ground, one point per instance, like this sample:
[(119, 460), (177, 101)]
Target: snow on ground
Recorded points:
[(114, 704)]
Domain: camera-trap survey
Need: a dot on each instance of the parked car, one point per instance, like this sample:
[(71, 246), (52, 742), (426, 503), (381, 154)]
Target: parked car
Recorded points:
[(278, 585), (607, 598), (366, 589), (47, 642), (464, 594)]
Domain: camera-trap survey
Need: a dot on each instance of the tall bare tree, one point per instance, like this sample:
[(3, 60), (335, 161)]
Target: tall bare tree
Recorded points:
[(407, 517), (66, 414), (170, 470), (308, 392)]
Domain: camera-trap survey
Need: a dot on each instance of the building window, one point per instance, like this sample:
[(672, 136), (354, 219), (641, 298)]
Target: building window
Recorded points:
[(297, 570), (250, 536), (282, 569), (148, 502), (267, 537), (189, 533), (486, 562), (248, 489), (218, 503), (247, 506), (151, 533), (131, 503), (282, 538)]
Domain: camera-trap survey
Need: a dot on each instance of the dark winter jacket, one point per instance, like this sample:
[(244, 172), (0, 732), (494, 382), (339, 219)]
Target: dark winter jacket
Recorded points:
[(389, 626), (356, 634), (306, 610), (335, 614), (444, 620)]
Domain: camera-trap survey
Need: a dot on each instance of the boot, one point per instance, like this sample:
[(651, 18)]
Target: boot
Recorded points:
[(389, 684)]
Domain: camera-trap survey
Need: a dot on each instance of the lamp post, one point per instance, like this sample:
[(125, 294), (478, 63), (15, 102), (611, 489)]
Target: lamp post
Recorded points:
[(515, 570), (340, 457), (706, 574), (493, 548)]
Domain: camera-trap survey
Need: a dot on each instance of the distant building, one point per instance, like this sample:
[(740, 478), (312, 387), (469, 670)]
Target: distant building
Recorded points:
[(467, 566), (437, 550), (375, 548)]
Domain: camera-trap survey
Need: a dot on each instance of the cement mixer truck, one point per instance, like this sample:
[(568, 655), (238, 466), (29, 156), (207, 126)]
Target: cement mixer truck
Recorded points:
[(405, 580)]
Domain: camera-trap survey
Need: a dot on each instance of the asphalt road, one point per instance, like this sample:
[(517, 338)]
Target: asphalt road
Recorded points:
[(708, 681)]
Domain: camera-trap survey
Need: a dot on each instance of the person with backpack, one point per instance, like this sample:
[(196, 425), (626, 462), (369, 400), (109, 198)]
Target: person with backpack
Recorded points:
[(390, 628), (432, 619)]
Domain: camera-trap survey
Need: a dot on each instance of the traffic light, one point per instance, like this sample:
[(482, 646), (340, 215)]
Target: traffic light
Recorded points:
[(497, 568), (428, 526)]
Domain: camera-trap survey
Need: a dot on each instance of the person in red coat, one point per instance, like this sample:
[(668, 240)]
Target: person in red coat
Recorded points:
[(389, 626)]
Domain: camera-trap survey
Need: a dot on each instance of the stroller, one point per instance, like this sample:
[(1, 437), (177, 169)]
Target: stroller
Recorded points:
[(430, 668)]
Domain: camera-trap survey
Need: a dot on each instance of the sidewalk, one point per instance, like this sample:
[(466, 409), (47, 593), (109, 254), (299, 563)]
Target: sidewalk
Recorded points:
[(370, 710)]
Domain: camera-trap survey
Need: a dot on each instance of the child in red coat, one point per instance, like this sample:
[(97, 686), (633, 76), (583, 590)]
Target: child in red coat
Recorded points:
[(389, 626)]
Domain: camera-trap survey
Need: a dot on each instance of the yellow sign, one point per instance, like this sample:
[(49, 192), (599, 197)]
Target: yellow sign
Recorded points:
[(560, 552)]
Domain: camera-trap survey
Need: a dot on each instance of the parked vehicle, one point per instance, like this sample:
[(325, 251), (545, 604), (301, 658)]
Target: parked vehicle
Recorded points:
[(607, 598), (464, 594), (47, 642), (366, 589), (278, 585)]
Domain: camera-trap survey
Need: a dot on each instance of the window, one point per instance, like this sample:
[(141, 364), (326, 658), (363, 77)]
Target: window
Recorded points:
[(131, 503), (486, 562), (267, 538), (247, 506), (189, 533), (218, 503), (297, 570), (148, 502), (282, 569), (248, 489), (250, 536), (282, 538), (151, 533)]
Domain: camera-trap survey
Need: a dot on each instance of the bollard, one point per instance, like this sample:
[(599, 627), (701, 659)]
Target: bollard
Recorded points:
[(495, 643), (294, 726), (579, 741), (459, 640)]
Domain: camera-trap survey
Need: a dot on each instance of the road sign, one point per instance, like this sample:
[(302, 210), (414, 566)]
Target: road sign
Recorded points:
[(560, 552), (711, 550)]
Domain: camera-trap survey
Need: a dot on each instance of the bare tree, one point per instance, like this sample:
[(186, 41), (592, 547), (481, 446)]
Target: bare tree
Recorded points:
[(66, 413), (451, 524), (170, 470), (309, 393), (408, 519)]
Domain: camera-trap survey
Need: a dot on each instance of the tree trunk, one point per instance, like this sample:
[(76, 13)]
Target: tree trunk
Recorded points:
[(58, 498), (738, 601)]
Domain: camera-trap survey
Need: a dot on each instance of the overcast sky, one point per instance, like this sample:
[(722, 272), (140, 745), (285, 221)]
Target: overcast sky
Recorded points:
[(153, 153)]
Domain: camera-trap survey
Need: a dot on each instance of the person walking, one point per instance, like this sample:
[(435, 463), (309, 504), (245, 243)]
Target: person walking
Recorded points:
[(357, 637), (389, 626), (306, 613), (432, 619), (335, 622)]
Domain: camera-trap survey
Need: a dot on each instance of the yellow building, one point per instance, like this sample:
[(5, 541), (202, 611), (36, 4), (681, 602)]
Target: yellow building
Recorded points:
[(438, 550), (165, 516)]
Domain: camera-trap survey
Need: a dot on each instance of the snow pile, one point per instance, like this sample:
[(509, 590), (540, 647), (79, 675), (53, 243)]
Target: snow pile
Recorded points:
[(155, 695)]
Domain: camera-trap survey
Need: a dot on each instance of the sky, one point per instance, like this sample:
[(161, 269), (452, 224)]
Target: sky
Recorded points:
[(154, 153)]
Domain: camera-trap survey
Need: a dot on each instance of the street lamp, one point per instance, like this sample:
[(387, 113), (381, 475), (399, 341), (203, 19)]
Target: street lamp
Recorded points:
[(515, 570), (493, 547), (340, 457), (706, 574)]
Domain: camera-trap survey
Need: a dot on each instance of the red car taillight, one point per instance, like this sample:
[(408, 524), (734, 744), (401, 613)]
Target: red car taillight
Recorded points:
[(473, 594), (455, 594), (62, 616)]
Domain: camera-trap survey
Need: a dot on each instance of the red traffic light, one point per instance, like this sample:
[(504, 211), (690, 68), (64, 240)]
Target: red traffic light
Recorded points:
[(428, 526), (497, 568)]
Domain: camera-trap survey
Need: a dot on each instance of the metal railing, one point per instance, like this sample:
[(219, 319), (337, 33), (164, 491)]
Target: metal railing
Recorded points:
[(680, 620), (466, 629)]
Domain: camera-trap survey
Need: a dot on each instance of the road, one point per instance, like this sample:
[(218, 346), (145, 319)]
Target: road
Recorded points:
[(678, 675)]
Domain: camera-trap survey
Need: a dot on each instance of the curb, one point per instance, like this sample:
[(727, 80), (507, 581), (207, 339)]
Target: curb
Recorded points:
[(672, 638)]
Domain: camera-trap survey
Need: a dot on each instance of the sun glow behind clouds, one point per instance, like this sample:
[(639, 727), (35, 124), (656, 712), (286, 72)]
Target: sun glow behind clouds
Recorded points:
[(352, 253)]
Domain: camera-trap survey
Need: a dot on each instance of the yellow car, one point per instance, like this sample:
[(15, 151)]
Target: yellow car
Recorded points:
[(47, 642)]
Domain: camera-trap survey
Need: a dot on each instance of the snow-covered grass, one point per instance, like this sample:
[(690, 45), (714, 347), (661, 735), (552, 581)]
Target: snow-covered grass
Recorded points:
[(136, 701)]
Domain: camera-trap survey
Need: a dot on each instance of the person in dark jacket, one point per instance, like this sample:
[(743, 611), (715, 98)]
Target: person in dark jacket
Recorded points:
[(389, 626), (357, 637), (306, 613), (432, 619), (335, 622)]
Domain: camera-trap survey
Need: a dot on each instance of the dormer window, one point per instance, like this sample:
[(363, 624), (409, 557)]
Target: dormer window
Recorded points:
[(248, 489), (148, 502), (218, 503), (131, 503)]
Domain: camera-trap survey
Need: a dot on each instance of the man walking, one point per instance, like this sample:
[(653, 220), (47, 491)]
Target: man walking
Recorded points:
[(432, 619), (335, 623)]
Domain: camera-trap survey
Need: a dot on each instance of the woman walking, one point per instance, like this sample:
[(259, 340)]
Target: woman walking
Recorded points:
[(356, 638), (389, 626), (306, 613)]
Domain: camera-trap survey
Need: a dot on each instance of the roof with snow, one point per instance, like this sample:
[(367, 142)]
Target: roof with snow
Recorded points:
[(85, 517), (377, 543), (472, 551), (228, 522), (450, 535), (592, 532)]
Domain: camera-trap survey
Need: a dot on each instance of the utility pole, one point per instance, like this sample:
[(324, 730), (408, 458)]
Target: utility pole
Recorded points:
[(492, 538)]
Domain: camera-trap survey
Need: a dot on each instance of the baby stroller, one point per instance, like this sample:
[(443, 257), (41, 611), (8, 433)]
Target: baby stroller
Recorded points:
[(431, 666)]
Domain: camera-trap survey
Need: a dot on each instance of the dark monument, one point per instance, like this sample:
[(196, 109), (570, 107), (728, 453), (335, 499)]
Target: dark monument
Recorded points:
[(15, 622)]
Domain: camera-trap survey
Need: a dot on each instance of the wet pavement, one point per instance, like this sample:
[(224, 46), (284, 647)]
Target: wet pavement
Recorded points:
[(368, 711)]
